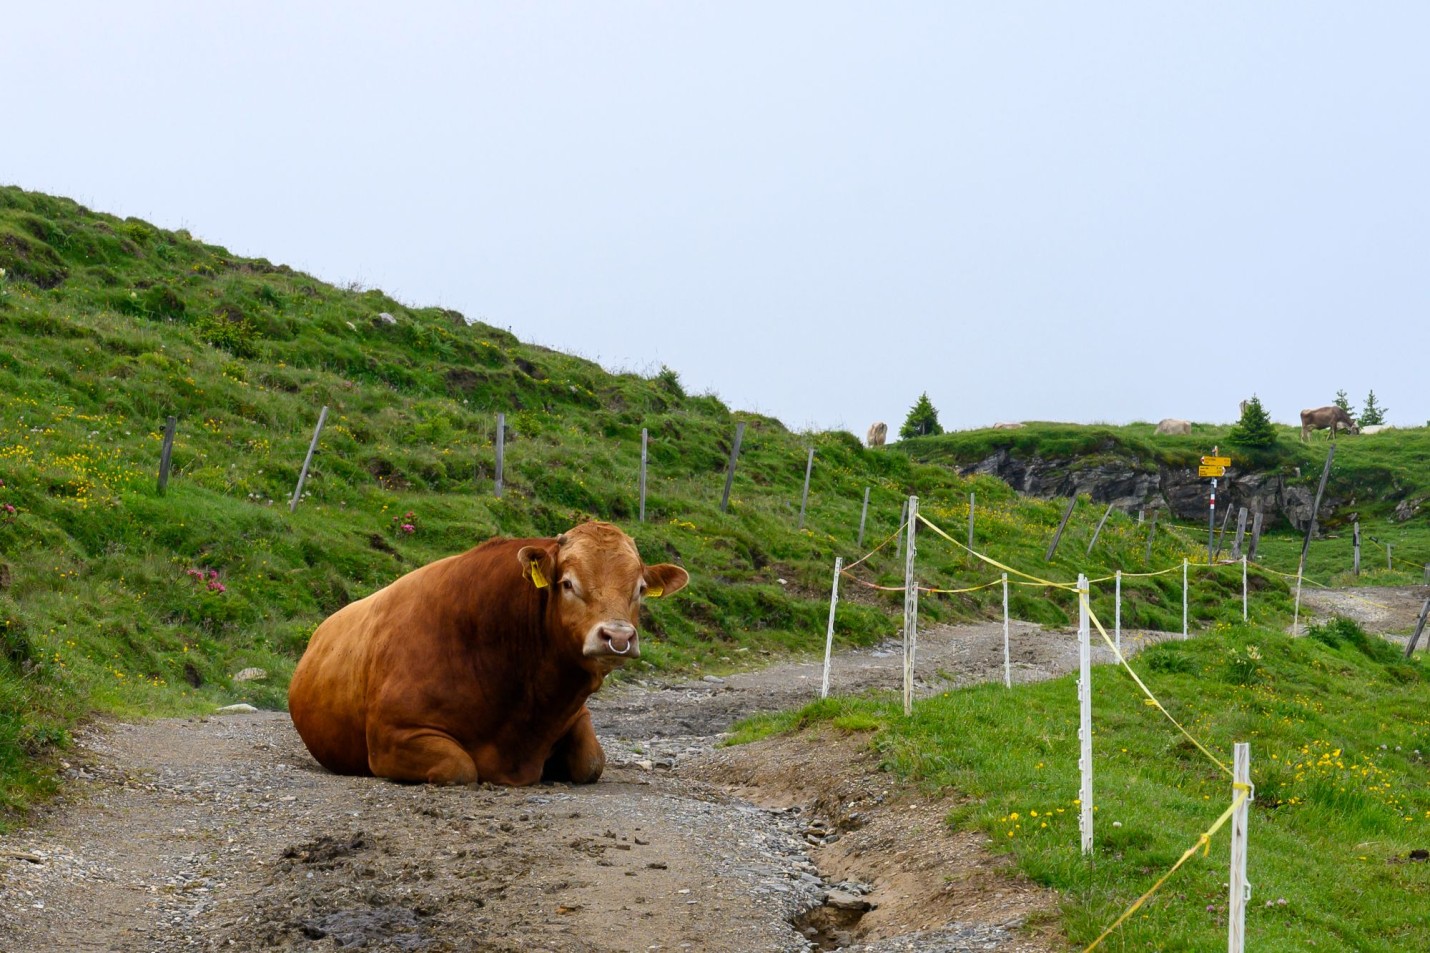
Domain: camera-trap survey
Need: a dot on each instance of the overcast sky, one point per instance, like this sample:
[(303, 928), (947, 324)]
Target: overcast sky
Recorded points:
[(1053, 211)]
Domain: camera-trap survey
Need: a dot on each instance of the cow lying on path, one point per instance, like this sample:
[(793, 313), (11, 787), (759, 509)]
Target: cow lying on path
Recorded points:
[(1323, 417), (478, 666)]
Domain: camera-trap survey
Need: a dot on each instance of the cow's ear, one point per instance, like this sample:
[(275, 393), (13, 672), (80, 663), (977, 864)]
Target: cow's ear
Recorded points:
[(664, 579), (537, 564)]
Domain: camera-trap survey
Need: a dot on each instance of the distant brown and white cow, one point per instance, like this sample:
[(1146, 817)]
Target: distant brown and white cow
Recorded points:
[(1321, 418), (877, 434), (1172, 426), (477, 667)]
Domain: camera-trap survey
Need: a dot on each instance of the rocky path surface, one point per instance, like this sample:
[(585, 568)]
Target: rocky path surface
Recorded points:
[(222, 834)]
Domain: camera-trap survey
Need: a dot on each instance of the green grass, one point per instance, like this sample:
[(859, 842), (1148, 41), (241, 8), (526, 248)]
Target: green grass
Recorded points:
[(112, 325), (1339, 736)]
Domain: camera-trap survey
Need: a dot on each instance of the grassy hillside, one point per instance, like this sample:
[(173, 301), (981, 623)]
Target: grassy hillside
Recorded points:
[(116, 598), (1375, 474), (1338, 734)]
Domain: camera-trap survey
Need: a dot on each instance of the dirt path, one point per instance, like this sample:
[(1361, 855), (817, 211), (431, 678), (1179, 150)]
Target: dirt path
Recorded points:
[(223, 834)]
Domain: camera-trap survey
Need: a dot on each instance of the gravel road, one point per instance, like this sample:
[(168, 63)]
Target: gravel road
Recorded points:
[(221, 833)]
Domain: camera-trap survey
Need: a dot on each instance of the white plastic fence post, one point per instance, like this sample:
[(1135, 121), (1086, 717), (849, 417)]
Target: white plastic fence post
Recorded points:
[(500, 454), (1084, 731), (1243, 587), (911, 608), (829, 632), (1240, 889), (1117, 615), (1184, 597), (1007, 661)]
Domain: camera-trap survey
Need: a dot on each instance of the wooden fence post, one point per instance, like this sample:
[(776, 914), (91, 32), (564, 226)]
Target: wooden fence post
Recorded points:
[(1151, 532), (166, 453), (863, 515), (1221, 535), (501, 454), (1310, 530), (1057, 537), (303, 474), (1355, 536), (645, 435), (804, 497), (730, 473), (1240, 533), (829, 631), (1093, 542), (1255, 533), (1419, 627)]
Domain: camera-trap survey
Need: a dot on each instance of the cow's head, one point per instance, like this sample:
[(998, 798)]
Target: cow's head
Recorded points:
[(597, 582)]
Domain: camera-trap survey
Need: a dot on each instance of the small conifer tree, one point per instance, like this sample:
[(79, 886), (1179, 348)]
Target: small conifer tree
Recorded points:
[(1373, 413), (1344, 403), (1255, 428), (922, 420)]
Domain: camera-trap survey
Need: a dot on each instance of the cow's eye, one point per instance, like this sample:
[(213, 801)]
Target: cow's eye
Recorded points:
[(568, 585)]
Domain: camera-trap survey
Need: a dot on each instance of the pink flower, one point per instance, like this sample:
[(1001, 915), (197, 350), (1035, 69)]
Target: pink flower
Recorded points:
[(408, 528), (9, 509)]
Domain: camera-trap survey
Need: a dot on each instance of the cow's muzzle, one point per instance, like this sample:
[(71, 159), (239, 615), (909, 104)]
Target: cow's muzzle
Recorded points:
[(614, 638)]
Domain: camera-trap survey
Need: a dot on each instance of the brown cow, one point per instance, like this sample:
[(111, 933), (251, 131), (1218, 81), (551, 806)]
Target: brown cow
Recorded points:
[(878, 431), (478, 666), (1324, 417)]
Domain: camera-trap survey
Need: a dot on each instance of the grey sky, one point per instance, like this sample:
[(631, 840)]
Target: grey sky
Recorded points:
[(1070, 211)]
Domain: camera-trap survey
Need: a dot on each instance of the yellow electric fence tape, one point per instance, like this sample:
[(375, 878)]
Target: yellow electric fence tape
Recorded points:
[(1148, 692), (1203, 842), (889, 539), (993, 562)]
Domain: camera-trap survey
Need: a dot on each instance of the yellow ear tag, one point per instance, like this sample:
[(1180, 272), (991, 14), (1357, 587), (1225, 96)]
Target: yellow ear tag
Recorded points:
[(652, 591), (534, 571)]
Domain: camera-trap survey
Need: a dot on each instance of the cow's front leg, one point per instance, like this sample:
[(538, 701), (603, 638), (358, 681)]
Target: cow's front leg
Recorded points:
[(577, 755), (425, 757)]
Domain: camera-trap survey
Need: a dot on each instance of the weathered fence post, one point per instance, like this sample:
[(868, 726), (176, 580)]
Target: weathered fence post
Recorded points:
[(1007, 659), (1151, 532), (1419, 627), (911, 609), (1093, 542), (730, 473), (1236, 552), (970, 522), (1221, 535), (1057, 537), (1243, 588), (804, 497), (829, 631), (501, 454), (1255, 533), (303, 474), (645, 435), (1310, 531), (1240, 889), (167, 452), (1388, 563), (1084, 731), (863, 515), (1355, 537)]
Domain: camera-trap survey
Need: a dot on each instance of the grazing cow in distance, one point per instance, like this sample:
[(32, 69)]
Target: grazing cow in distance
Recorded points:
[(1331, 417), (477, 667), (1172, 426), (1007, 426), (877, 433)]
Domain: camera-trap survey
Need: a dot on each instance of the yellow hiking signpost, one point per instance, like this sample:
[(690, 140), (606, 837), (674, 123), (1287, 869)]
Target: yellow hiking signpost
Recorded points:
[(1212, 466)]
